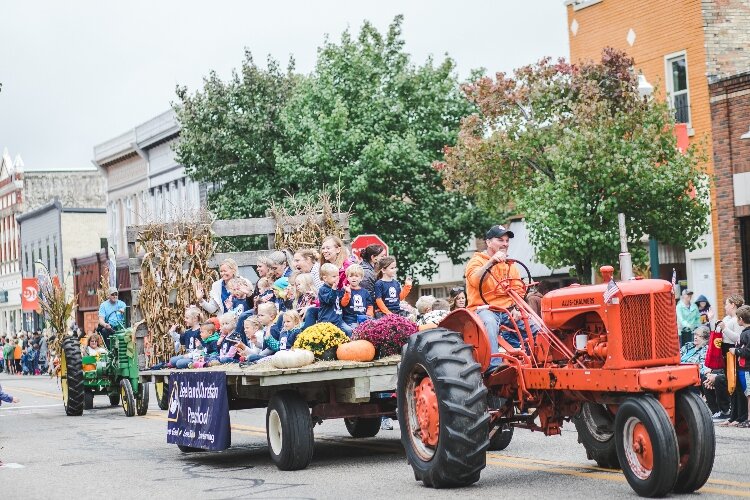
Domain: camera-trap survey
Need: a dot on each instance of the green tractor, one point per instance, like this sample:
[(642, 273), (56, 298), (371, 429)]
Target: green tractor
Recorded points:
[(114, 373)]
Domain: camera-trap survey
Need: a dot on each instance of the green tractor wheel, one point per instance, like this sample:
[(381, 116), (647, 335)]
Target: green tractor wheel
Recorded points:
[(71, 377), (141, 401), (88, 400), (162, 394), (126, 395)]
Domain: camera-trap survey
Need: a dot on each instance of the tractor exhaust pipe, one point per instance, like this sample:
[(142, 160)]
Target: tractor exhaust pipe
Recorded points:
[(626, 263)]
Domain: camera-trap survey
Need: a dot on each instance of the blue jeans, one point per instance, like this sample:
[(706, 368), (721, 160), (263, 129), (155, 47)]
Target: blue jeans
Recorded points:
[(311, 317), (492, 321)]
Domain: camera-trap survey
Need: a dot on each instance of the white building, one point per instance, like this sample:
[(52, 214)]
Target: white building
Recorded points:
[(144, 181)]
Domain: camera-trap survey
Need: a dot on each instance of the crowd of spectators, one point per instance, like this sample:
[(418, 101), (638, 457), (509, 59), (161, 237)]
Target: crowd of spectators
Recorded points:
[(24, 353)]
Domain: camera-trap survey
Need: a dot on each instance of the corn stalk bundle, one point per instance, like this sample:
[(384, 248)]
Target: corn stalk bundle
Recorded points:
[(317, 221), (55, 305), (102, 292), (175, 258)]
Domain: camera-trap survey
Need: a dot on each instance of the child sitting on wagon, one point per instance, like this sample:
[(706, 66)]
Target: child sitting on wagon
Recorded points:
[(190, 338)]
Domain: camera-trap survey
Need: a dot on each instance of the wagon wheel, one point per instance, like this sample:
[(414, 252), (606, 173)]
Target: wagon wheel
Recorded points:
[(696, 439), (509, 261), (289, 431), (647, 446), (442, 409)]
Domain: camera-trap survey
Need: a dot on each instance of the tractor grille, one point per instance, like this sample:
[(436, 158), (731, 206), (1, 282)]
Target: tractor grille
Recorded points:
[(122, 350), (642, 338)]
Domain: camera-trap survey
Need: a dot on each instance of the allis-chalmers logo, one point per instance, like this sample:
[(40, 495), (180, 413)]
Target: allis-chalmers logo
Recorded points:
[(30, 294)]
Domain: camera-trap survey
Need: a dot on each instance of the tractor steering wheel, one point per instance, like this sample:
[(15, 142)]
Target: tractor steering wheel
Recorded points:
[(510, 262)]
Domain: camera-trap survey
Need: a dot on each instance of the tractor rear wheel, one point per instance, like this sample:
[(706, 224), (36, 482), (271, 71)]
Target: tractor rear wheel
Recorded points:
[(442, 409), (696, 439), (596, 432), (88, 400), (127, 398), (362, 427), (71, 377), (647, 446), (141, 401), (162, 394)]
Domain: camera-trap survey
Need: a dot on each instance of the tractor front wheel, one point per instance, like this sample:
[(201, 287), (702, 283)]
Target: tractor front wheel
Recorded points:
[(502, 437), (596, 432), (71, 377), (127, 398), (141, 401), (88, 400), (442, 409), (646, 446), (696, 439), (114, 398)]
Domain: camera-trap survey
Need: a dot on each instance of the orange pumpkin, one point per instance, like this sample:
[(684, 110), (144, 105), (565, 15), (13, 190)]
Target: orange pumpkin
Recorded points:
[(357, 350)]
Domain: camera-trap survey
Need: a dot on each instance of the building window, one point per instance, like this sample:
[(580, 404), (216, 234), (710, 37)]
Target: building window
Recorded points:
[(677, 86)]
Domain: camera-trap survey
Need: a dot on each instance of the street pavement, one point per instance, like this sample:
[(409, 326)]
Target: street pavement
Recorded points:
[(104, 454)]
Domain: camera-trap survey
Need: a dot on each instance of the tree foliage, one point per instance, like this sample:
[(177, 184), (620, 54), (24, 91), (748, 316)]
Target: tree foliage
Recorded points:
[(229, 133), (570, 147), (369, 119)]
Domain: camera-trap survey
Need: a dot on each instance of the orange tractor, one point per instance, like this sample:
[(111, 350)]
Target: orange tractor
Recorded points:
[(611, 366)]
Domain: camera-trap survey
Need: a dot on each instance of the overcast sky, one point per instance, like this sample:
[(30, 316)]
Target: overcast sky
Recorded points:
[(77, 73)]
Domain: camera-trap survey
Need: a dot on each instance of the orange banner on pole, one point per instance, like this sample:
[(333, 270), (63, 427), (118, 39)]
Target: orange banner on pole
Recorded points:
[(29, 294)]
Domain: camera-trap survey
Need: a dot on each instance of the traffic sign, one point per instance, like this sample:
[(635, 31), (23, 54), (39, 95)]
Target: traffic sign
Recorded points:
[(363, 240)]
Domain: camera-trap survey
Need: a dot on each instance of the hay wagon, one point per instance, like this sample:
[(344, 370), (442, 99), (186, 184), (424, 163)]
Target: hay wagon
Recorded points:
[(296, 399)]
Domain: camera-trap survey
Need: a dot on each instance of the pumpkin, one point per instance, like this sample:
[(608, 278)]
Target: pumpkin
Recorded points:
[(293, 358), (357, 350)]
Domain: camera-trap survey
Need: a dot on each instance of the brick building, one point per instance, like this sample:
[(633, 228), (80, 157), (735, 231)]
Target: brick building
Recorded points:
[(730, 115), (680, 46), (21, 191)]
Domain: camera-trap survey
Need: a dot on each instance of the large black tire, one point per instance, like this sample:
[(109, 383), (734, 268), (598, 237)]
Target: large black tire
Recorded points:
[(362, 427), (696, 439), (127, 398), (458, 456), (644, 415), (141, 400), (162, 394), (596, 432), (88, 400), (71, 377), (114, 399), (502, 438), (289, 431)]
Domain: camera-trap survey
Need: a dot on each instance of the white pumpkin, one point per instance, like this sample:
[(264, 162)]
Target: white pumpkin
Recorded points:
[(293, 358)]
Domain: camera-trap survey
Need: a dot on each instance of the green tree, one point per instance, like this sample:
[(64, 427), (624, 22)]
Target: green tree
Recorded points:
[(229, 133), (372, 122), (571, 146)]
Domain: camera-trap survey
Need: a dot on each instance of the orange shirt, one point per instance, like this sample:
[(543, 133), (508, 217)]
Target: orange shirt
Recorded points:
[(499, 272)]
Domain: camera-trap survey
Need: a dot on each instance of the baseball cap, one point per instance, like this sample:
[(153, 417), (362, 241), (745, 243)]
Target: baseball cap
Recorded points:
[(498, 231), (687, 292), (112, 291)]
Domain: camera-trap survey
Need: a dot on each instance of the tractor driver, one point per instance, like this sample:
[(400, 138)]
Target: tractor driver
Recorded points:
[(111, 314), (497, 240)]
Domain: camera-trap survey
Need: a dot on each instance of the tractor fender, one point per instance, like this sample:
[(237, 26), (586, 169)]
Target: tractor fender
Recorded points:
[(470, 326)]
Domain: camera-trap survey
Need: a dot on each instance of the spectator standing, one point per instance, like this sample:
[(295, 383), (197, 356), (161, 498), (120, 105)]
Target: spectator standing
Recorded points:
[(730, 333), (707, 314), (742, 352), (688, 317)]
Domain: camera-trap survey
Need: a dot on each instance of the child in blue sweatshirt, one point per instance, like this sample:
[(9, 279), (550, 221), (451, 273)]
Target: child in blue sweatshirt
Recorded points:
[(330, 299), (357, 302)]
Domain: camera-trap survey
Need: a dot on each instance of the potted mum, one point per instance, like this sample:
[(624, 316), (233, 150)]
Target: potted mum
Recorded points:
[(388, 334), (322, 339)]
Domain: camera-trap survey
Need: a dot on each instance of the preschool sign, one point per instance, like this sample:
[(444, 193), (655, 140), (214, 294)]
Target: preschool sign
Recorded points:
[(198, 413)]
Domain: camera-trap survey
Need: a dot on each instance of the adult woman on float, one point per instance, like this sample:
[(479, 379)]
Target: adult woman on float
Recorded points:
[(457, 298), (333, 251), (307, 261), (370, 256), (280, 265), (219, 300)]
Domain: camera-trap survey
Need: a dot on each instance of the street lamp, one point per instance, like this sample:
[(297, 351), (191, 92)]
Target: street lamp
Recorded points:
[(645, 89)]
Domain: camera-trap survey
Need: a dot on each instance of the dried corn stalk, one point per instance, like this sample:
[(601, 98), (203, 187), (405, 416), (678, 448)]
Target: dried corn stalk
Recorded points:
[(311, 232), (102, 292), (175, 257), (55, 305)]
